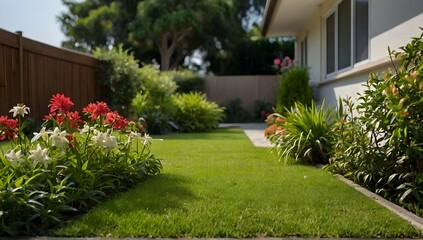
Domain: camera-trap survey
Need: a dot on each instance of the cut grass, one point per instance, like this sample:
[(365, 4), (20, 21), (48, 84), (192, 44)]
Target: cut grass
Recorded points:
[(219, 185)]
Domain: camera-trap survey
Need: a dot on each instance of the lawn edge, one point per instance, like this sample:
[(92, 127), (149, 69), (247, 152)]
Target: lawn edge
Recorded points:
[(410, 217)]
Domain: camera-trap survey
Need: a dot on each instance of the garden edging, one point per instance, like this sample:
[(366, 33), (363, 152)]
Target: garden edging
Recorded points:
[(412, 218)]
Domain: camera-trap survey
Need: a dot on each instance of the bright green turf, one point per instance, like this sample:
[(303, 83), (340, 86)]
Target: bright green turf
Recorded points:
[(219, 185)]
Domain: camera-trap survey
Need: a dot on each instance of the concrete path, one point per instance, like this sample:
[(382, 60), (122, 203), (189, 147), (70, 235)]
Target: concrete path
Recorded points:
[(254, 131)]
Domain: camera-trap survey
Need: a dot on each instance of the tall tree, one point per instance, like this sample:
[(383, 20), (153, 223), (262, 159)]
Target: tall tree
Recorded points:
[(181, 26), (90, 24), (167, 29)]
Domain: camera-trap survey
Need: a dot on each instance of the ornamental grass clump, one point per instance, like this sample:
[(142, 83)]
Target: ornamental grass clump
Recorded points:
[(68, 166), (382, 148), (304, 133)]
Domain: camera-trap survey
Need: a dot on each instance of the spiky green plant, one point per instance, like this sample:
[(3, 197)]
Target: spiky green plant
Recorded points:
[(307, 133)]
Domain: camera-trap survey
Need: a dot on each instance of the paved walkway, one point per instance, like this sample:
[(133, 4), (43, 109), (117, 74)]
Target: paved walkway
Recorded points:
[(254, 131)]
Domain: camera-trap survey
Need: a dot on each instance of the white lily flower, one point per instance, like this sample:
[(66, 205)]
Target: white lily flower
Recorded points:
[(14, 157), (104, 139), (86, 129), (147, 139), (39, 156), (19, 109), (43, 134), (58, 138)]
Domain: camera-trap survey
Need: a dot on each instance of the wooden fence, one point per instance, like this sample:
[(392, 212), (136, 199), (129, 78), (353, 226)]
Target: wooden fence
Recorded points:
[(31, 72), (222, 89)]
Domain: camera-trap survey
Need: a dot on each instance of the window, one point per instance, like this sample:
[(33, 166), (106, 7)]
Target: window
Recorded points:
[(361, 30), (347, 35), (304, 52)]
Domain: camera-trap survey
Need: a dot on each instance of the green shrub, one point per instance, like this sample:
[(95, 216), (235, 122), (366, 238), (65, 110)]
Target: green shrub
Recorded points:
[(306, 133), (235, 113), (118, 75), (186, 80), (293, 87), (262, 110), (382, 148), (195, 114), (154, 102)]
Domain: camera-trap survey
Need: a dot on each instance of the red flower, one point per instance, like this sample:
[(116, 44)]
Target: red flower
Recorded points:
[(60, 103), (8, 128), (118, 122), (96, 110), (74, 119), (71, 140)]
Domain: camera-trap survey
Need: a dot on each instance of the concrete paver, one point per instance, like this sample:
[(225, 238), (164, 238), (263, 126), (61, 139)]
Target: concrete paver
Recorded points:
[(254, 131)]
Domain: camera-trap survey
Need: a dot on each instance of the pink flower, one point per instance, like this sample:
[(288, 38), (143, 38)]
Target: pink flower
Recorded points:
[(277, 61)]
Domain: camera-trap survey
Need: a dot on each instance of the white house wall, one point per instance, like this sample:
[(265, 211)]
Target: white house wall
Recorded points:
[(391, 23)]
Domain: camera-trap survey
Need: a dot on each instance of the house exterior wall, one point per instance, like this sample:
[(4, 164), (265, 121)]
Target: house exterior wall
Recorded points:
[(391, 23)]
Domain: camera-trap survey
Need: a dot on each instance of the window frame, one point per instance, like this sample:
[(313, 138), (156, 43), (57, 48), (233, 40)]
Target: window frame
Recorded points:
[(334, 10)]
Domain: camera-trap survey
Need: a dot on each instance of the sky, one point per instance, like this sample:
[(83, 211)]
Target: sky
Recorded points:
[(37, 19)]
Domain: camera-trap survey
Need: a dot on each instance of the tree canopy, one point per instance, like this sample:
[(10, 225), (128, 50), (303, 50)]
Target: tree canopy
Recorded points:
[(169, 30)]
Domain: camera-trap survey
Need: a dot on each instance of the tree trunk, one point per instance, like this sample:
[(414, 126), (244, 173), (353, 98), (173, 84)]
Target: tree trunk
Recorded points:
[(167, 45), (165, 57)]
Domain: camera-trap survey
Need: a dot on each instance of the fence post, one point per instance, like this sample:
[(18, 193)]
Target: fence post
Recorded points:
[(21, 80)]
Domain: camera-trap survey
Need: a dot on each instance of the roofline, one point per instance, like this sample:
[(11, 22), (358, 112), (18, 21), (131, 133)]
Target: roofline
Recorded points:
[(268, 14)]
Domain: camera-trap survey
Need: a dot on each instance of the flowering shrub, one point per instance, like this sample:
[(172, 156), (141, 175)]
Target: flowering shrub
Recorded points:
[(382, 148), (69, 165), (275, 127), (281, 65)]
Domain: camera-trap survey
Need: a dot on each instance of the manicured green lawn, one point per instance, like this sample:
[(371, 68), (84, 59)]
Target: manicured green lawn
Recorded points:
[(219, 185)]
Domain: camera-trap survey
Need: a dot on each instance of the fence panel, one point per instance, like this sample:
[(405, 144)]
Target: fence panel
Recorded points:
[(31, 72), (249, 89)]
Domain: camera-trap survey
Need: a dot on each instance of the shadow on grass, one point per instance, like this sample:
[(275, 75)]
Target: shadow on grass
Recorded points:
[(165, 191)]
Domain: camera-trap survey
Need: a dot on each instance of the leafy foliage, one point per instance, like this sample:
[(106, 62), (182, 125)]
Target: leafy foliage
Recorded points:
[(305, 133), (293, 87), (235, 112), (195, 114), (154, 102), (119, 76), (186, 80), (68, 166), (249, 57), (382, 148)]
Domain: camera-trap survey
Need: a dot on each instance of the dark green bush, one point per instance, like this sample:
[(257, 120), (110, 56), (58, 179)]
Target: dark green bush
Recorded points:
[(118, 75), (382, 148), (195, 114), (293, 87), (235, 113), (186, 80), (262, 109)]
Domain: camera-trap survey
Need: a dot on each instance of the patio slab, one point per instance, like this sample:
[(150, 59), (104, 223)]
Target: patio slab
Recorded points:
[(254, 131)]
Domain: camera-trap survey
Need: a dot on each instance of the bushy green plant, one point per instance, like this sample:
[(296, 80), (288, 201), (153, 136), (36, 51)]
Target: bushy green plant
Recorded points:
[(262, 110), (154, 102), (306, 133), (186, 80), (383, 147), (68, 166), (118, 75), (195, 114), (235, 113), (293, 88)]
